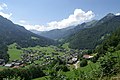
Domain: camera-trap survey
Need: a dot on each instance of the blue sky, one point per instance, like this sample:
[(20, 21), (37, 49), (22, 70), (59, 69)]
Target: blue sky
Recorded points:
[(37, 13)]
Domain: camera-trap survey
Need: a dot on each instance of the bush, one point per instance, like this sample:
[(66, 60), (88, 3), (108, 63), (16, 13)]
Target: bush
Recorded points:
[(83, 63), (95, 58), (118, 47), (23, 73), (62, 67), (108, 65), (89, 51)]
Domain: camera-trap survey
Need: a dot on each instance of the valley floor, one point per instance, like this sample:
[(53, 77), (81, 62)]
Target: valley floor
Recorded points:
[(45, 56)]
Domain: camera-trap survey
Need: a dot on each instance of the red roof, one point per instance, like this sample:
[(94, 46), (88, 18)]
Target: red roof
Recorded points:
[(86, 56)]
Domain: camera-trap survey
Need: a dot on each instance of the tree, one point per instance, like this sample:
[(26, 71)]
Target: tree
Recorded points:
[(83, 63), (90, 51), (62, 67), (118, 47), (108, 65), (95, 58)]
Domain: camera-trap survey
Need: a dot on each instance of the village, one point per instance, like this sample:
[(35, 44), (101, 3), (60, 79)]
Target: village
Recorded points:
[(42, 57)]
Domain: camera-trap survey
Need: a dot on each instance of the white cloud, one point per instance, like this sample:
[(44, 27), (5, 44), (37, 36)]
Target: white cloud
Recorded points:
[(36, 27), (6, 15), (79, 16), (3, 6), (22, 21), (117, 14)]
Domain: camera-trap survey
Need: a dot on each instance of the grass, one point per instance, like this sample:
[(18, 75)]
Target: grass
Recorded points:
[(91, 66), (43, 49), (69, 74), (34, 38), (87, 69), (42, 78), (13, 52), (2, 67), (46, 50), (65, 46)]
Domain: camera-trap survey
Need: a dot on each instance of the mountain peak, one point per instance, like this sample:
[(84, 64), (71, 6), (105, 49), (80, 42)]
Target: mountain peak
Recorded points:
[(110, 15), (106, 18)]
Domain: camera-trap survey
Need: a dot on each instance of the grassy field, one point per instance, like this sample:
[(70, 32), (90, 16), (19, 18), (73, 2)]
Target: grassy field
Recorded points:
[(13, 52), (87, 69), (65, 46), (2, 67), (43, 49), (46, 50), (91, 66)]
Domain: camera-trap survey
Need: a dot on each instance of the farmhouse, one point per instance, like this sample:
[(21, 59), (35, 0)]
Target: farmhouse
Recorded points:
[(87, 56), (73, 60), (9, 65), (17, 64)]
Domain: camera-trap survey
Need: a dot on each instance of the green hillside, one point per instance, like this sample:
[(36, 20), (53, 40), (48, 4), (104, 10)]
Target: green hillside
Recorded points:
[(91, 37)]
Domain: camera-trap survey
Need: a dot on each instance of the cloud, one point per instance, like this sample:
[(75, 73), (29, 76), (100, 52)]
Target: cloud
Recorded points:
[(22, 21), (79, 16), (117, 14), (3, 6), (6, 15)]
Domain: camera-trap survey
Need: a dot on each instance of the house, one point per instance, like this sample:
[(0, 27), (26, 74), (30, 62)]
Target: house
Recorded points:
[(72, 60), (87, 56), (9, 65), (17, 64)]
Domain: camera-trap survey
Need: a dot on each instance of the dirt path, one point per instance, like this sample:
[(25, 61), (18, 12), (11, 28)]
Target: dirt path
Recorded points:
[(76, 64)]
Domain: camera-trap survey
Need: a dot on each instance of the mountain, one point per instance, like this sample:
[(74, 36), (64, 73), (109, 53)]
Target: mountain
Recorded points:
[(89, 38), (10, 33), (111, 44), (106, 18), (35, 31), (62, 33), (53, 34), (13, 33)]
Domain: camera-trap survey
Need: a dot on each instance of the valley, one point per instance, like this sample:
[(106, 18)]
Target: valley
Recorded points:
[(79, 47), (50, 58), (44, 56)]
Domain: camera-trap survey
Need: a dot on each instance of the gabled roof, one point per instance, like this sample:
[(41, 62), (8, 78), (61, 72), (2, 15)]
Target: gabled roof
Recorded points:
[(87, 56)]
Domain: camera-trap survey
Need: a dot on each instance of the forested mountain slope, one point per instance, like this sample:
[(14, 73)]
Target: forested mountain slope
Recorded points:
[(10, 33), (89, 38), (57, 34)]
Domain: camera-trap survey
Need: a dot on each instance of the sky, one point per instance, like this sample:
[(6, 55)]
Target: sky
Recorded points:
[(45, 15)]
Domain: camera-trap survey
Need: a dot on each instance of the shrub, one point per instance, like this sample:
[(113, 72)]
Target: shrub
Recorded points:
[(83, 63)]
